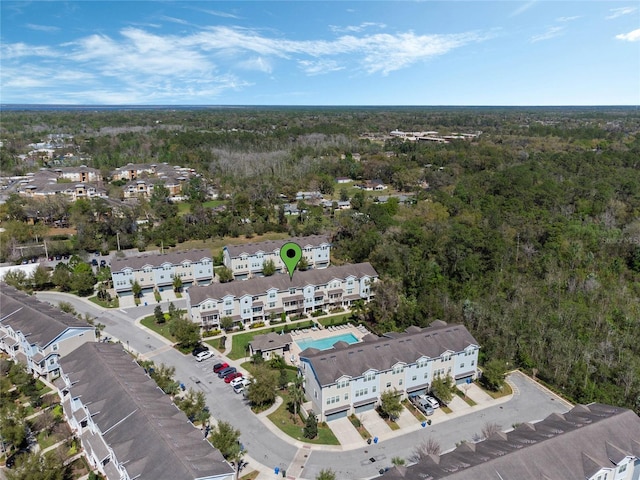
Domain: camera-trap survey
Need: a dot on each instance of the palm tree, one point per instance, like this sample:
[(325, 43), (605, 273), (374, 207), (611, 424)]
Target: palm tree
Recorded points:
[(297, 394), (177, 284)]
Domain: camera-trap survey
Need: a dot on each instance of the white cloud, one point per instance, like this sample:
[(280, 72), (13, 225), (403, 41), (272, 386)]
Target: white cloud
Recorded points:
[(218, 13), (357, 28), (619, 12), (16, 50), (259, 64), (42, 28), (550, 33), (568, 19), (320, 67), (523, 8), (632, 36)]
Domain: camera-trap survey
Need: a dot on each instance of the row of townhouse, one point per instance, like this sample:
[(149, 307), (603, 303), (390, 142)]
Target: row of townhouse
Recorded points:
[(259, 299), (589, 442), (349, 379), (247, 260), (127, 426), (37, 334), (193, 267)]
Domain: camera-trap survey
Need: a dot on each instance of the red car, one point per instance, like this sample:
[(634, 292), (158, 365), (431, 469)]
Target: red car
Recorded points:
[(220, 366), (232, 376)]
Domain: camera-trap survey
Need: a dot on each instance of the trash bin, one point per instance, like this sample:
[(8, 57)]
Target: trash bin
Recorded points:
[(277, 470), (284, 473)]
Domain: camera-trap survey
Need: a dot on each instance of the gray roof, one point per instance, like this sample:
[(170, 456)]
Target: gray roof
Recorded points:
[(385, 352), (572, 446), (270, 341), (155, 260), (280, 281), (39, 322), (273, 245), (148, 434)]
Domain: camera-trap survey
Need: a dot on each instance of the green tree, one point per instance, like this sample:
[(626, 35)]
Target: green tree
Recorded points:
[(186, 332), (136, 289), (303, 264), (16, 278), (194, 406), (163, 376), (443, 388), (268, 267), (326, 474), (177, 284), (226, 323), (493, 374), (226, 439), (398, 461), (225, 275), (390, 405), (61, 277), (40, 278), (158, 315), (67, 307), (33, 466), (83, 280), (310, 429), (262, 391), (296, 393)]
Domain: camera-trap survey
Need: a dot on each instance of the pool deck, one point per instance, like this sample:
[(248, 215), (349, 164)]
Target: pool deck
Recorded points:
[(319, 334)]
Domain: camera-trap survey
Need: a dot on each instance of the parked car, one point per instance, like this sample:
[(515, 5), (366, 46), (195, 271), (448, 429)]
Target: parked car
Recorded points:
[(103, 263), (94, 262), (232, 376), (199, 349), (237, 381), (239, 384), (58, 257), (226, 371), (220, 366), (432, 402), (204, 355)]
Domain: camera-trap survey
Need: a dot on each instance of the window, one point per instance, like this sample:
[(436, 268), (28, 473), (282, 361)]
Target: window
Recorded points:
[(388, 384), (622, 468), (369, 377), (346, 396), (400, 382), (414, 378), (462, 365)]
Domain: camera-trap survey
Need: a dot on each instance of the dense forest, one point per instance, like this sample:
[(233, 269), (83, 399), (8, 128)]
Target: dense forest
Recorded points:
[(529, 234)]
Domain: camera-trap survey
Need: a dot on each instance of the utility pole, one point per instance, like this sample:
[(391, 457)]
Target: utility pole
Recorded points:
[(118, 239)]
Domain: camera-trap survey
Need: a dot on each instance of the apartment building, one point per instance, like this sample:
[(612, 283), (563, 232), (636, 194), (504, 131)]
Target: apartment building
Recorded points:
[(349, 379), (38, 335), (247, 260), (81, 174), (127, 426), (45, 183), (142, 178), (589, 442), (259, 298), (157, 271)]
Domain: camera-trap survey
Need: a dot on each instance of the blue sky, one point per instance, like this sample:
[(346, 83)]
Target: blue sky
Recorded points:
[(320, 52)]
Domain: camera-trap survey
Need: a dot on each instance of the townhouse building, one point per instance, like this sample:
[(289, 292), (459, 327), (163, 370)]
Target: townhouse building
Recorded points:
[(38, 335), (259, 299), (589, 442), (157, 271), (246, 261), (349, 379), (127, 426)]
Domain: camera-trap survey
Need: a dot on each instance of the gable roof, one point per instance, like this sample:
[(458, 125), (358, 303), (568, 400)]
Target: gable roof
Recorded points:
[(385, 352), (155, 260), (280, 281), (39, 322), (149, 435), (270, 341), (573, 446), (272, 245)]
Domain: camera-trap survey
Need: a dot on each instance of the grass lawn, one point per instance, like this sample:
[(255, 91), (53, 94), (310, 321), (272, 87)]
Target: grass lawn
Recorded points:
[(250, 476), (506, 390), (114, 303), (469, 401), (183, 208), (334, 320), (293, 425), (213, 203), (162, 329), (364, 433), (215, 244), (240, 345)]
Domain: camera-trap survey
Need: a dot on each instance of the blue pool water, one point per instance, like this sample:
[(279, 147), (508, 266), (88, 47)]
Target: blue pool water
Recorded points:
[(326, 343)]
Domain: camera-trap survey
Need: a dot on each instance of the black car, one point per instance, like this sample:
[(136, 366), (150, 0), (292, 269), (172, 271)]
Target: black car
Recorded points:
[(103, 263), (199, 348), (94, 262)]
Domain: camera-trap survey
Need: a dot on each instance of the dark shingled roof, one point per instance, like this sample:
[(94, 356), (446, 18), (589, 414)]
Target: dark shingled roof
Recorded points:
[(384, 352), (572, 446), (40, 322), (273, 245), (149, 435), (270, 341), (281, 282), (174, 258)]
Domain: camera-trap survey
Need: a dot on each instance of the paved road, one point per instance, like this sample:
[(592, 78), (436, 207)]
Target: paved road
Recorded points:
[(529, 403)]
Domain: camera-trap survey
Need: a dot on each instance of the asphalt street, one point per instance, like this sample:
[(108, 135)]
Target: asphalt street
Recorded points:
[(529, 403)]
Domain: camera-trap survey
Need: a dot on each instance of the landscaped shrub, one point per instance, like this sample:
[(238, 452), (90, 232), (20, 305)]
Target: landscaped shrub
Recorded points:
[(257, 325)]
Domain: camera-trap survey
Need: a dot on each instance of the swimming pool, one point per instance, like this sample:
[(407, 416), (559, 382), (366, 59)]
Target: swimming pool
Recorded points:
[(326, 343)]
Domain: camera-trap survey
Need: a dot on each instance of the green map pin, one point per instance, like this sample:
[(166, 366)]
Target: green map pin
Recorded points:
[(291, 253)]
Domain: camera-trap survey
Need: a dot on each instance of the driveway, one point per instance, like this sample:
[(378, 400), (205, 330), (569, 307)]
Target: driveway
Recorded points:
[(374, 423), (346, 433), (475, 393)]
